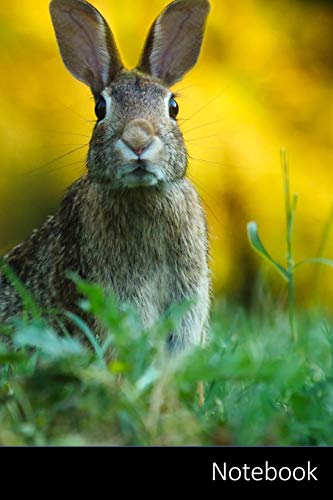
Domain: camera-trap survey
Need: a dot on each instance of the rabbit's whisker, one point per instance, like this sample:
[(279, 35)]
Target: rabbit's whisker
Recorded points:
[(202, 138), (202, 125), (201, 160), (67, 165), (223, 164), (179, 91), (70, 108), (57, 159), (203, 107), (62, 144), (207, 194), (65, 132)]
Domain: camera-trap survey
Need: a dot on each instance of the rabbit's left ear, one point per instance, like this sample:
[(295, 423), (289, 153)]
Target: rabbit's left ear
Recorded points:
[(86, 43), (174, 42)]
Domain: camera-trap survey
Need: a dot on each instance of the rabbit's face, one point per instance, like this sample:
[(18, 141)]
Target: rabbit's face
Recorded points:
[(136, 142)]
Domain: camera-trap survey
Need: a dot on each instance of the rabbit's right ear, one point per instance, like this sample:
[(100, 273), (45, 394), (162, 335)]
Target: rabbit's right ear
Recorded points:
[(174, 41), (86, 43)]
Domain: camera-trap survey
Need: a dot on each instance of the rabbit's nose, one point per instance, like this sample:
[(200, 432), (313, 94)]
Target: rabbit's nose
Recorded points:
[(138, 135)]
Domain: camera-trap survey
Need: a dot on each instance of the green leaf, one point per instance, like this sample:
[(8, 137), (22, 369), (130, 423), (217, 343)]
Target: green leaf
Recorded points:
[(88, 333), (316, 260), (252, 231), (42, 337), (147, 379)]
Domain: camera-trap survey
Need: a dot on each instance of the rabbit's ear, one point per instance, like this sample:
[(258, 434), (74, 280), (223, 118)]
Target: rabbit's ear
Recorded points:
[(174, 42), (86, 43)]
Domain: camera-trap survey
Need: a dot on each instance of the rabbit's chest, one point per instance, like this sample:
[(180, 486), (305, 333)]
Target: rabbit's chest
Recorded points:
[(152, 255), (137, 266)]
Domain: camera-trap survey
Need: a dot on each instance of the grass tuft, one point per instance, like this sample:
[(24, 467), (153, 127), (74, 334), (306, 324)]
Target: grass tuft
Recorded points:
[(260, 389)]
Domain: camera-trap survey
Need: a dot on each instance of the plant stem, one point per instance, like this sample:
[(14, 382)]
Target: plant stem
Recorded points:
[(291, 205), (291, 307), (320, 252)]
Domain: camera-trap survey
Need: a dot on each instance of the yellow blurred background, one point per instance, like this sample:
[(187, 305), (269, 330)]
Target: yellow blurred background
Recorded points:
[(264, 81)]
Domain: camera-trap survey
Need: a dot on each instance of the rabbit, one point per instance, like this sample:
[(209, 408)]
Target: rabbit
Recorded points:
[(134, 223)]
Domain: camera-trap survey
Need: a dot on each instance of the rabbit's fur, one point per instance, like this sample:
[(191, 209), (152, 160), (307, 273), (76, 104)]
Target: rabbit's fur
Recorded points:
[(134, 223)]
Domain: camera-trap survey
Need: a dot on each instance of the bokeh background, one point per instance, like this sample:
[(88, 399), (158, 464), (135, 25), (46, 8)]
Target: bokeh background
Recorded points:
[(264, 81)]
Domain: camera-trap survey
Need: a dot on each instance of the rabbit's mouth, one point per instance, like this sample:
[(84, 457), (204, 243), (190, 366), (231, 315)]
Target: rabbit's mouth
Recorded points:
[(140, 172), (141, 176)]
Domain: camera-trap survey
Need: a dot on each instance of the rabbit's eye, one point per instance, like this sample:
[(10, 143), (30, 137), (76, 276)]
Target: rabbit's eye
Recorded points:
[(100, 109), (173, 108)]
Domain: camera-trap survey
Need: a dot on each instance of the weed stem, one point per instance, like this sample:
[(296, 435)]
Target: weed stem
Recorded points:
[(291, 205)]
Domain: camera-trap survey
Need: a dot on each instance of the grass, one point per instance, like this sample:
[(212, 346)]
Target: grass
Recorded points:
[(261, 388), (267, 373)]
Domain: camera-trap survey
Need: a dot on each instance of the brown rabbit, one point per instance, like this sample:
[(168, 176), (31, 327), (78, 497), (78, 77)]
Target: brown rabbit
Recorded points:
[(134, 223)]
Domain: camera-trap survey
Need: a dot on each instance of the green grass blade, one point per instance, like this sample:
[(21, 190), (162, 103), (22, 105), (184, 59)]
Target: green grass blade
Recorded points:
[(29, 305), (252, 231), (285, 167), (316, 260), (88, 333), (293, 213)]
